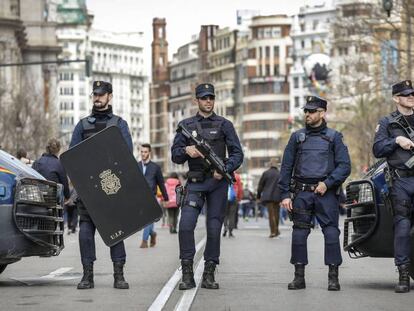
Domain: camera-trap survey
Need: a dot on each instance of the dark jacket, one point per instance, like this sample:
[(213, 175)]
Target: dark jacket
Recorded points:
[(227, 131), (49, 167), (154, 178), (268, 189)]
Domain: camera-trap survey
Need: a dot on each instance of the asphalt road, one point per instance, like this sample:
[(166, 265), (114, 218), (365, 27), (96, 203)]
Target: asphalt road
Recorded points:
[(253, 275)]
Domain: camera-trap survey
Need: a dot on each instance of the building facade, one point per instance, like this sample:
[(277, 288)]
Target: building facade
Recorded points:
[(118, 58), (311, 36), (265, 93)]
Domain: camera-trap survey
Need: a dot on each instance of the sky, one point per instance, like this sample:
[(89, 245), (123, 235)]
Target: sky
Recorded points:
[(183, 18)]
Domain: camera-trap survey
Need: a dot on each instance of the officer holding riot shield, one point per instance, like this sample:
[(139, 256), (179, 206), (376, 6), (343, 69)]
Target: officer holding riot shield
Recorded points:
[(100, 118), (394, 141), (315, 164), (204, 183)]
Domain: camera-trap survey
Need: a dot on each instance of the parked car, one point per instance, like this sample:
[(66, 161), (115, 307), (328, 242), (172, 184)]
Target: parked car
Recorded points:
[(368, 228), (31, 213)]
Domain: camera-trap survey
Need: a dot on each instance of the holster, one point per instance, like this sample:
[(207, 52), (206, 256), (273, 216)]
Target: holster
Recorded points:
[(180, 192)]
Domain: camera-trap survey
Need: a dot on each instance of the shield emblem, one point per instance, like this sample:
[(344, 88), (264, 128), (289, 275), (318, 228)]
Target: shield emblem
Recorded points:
[(112, 188)]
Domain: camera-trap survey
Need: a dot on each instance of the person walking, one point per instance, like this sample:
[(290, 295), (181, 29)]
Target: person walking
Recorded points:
[(153, 175), (269, 194)]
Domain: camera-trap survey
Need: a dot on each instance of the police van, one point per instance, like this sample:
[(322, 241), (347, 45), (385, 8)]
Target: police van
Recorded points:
[(31, 213), (368, 227)]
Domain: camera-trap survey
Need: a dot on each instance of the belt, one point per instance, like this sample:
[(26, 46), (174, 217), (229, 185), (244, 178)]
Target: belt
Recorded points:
[(305, 187), (402, 173)]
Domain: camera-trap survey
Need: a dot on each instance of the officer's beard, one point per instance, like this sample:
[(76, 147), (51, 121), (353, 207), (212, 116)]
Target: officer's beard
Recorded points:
[(100, 105)]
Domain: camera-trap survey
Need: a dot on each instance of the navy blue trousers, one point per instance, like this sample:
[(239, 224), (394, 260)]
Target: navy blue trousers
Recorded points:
[(326, 210), (87, 245), (402, 196), (214, 193)]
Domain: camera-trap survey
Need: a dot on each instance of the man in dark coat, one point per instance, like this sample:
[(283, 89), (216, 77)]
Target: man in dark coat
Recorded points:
[(269, 194), (153, 175), (49, 166)]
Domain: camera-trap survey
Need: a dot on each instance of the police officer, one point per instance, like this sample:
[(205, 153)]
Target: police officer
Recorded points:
[(315, 164), (100, 118), (392, 141), (204, 185)]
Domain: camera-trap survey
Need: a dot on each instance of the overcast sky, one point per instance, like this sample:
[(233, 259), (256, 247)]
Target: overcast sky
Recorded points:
[(183, 17)]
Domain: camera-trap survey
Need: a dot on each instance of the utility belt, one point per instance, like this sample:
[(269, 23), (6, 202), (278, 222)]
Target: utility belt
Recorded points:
[(398, 173), (298, 186), (198, 176)]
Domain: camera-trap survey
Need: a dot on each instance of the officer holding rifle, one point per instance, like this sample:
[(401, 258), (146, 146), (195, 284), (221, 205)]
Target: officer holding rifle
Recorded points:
[(394, 137), (202, 140)]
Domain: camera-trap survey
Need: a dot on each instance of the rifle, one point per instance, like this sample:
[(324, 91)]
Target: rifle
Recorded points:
[(402, 122), (209, 156)]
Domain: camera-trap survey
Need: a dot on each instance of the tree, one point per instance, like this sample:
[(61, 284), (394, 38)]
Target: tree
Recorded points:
[(23, 121)]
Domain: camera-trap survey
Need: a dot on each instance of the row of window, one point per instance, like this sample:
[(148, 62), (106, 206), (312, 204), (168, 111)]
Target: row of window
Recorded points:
[(267, 32), (262, 143), (265, 125), (278, 106), (69, 76), (69, 91), (264, 52), (274, 87)]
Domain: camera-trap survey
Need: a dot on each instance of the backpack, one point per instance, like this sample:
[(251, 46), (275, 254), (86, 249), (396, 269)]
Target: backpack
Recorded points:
[(231, 194)]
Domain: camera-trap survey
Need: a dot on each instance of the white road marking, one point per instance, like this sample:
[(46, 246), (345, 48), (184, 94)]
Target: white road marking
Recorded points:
[(54, 276), (168, 288)]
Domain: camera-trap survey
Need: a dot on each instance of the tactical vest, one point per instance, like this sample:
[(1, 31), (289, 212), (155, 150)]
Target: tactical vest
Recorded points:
[(92, 125), (315, 154), (212, 133), (399, 156)]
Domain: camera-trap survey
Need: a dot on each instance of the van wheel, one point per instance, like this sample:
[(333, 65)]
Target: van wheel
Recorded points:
[(2, 267)]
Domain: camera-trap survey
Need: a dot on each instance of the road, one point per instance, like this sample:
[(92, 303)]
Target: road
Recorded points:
[(253, 275)]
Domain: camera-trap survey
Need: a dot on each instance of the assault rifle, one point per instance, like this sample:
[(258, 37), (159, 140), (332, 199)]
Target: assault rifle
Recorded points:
[(402, 122), (209, 156)]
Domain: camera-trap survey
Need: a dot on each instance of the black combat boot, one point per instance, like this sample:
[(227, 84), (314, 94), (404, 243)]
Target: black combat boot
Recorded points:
[(299, 280), (119, 281), (187, 281), (87, 279), (403, 285), (208, 276), (333, 282)]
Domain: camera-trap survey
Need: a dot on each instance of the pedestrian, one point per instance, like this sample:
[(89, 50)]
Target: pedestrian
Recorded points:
[(269, 194), (171, 206), (204, 184), (392, 141), (231, 211), (49, 166), (71, 210), (22, 156), (100, 118), (238, 185), (246, 203), (318, 161), (153, 175)]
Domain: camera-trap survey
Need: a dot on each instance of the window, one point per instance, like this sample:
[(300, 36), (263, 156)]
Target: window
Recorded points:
[(296, 83), (302, 44), (297, 102), (276, 52), (315, 24), (267, 51)]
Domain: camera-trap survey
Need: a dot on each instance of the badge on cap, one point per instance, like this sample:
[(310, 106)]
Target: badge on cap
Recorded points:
[(377, 128), (98, 83), (206, 86), (310, 98), (407, 82)]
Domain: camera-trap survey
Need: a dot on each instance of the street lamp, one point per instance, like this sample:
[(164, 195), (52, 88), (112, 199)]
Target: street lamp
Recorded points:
[(387, 5)]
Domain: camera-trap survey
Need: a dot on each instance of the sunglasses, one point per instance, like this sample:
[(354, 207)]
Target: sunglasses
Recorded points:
[(406, 95), (311, 110), (210, 97)]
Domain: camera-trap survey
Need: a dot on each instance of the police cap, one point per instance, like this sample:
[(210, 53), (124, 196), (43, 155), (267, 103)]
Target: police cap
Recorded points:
[(315, 102), (402, 88), (204, 89), (101, 87)]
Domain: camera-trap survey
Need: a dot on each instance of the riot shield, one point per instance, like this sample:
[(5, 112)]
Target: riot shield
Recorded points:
[(113, 189)]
